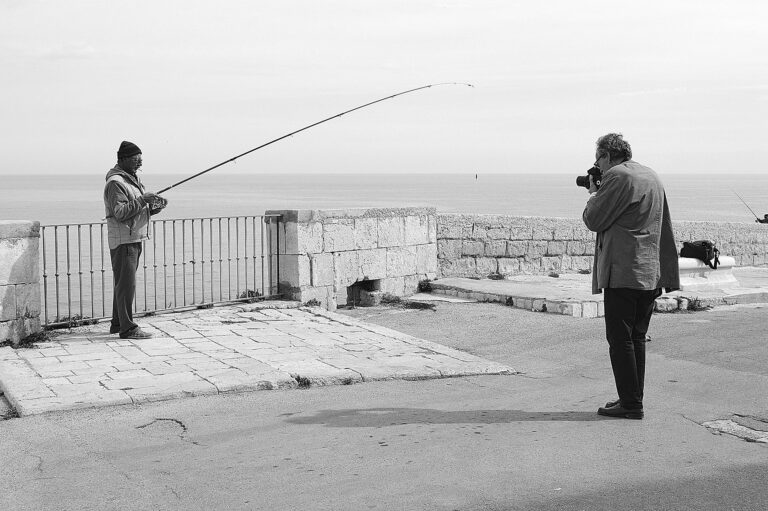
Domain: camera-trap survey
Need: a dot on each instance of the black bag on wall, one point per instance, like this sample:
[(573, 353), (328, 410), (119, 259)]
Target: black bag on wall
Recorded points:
[(703, 250)]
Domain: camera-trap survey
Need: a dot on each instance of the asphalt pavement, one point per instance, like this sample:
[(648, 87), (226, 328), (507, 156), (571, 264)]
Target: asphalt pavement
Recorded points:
[(525, 441)]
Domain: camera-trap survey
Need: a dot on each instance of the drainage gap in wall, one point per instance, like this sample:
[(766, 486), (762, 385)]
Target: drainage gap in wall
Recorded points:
[(364, 293)]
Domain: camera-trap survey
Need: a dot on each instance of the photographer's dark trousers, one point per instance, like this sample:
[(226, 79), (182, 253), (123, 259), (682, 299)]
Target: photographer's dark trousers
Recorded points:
[(627, 316), (125, 261)]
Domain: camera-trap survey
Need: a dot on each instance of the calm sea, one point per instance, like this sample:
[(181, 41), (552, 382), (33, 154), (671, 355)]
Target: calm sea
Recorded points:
[(78, 198)]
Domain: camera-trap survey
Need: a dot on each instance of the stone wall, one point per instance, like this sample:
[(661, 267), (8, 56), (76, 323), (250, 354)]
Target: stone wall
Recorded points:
[(19, 280), (323, 252), (483, 245)]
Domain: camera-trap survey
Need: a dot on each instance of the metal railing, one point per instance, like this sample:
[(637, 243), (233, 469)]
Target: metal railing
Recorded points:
[(191, 262)]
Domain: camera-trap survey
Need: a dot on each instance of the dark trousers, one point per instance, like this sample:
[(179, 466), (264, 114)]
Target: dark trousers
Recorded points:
[(125, 262), (627, 316)]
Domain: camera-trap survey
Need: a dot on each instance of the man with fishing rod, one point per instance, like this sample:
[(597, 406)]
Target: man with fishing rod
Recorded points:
[(128, 208), (635, 257)]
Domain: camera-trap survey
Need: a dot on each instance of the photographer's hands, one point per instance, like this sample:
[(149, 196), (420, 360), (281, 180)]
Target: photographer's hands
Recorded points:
[(592, 186)]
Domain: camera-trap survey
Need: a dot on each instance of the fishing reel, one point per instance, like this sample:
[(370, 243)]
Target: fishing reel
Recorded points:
[(157, 203)]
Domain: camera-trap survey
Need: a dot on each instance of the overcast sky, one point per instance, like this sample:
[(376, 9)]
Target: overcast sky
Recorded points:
[(195, 82)]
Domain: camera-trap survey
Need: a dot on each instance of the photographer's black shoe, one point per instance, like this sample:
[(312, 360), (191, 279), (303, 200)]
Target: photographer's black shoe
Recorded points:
[(621, 412), (611, 404)]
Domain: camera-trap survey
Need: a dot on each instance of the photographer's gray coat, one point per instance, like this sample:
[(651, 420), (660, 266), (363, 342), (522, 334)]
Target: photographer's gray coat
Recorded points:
[(635, 246)]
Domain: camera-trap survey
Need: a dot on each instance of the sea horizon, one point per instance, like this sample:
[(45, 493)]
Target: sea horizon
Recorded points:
[(77, 198)]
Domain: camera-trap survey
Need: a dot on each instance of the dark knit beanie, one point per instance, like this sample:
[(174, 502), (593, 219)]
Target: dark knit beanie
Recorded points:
[(127, 149)]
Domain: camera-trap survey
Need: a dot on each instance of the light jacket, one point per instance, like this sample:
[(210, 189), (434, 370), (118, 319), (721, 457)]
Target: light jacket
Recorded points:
[(127, 212), (635, 246)]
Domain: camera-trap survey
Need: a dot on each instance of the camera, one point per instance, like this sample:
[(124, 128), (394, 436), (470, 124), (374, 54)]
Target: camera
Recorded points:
[(597, 177)]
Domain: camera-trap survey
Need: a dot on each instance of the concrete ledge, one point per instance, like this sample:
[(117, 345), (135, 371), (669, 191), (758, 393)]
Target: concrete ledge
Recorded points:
[(695, 275)]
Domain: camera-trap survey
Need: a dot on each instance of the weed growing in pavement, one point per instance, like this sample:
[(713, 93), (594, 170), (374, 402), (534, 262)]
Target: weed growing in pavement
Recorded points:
[(28, 341), (396, 301), (695, 305), (303, 381)]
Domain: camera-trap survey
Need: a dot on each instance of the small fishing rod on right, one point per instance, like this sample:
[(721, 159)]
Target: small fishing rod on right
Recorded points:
[(757, 218)]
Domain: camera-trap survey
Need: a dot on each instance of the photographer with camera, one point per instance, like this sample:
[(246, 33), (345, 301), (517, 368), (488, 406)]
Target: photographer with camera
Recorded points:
[(635, 257)]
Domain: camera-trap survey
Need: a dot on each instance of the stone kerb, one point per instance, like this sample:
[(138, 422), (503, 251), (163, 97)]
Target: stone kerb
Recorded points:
[(19, 279), (323, 252), (484, 245)]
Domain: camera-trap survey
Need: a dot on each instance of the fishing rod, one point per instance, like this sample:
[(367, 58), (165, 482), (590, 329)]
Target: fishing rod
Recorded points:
[(750, 209), (306, 128)]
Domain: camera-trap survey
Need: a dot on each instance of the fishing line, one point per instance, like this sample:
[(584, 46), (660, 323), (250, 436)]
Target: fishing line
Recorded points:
[(742, 200), (306, 128)]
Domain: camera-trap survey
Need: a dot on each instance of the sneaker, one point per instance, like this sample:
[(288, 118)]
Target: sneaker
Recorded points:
[(136, 333)]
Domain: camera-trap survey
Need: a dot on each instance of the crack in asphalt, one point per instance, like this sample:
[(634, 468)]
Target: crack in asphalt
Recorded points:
[(175, 421)]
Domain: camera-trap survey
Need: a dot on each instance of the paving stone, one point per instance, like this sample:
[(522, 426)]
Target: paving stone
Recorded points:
[(172, 386), (250, 350)]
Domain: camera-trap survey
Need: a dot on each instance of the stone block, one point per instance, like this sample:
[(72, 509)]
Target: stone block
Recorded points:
[(346, 269), (450, 226), (583, 234), (555, 248), (19, 260), (416, 230), (536, 248), (309, 238), (479, 232), (339, 235), (457, 267), (666, 304), (486, 266), (411, 284), (27, 300), (392, 285), (563, 229), (472, 248), (496, 248), (530, 266), (401, 261), (373, 263), (321, 269), (498, 233), (549, 264), (295, 270), (391, 232), (8, 303), (589, 310), (366, 233), (521, 232), (432, 228), (517, 248), (449, 249), (426, 258), (508, 266), (324, 295), (543, 232), (576, 248)]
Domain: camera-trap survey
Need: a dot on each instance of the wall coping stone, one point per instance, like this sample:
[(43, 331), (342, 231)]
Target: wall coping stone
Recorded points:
[(316, 215), (19, 229)]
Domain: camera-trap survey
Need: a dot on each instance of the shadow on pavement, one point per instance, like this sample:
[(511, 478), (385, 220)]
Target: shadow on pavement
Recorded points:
[(376, 417)]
